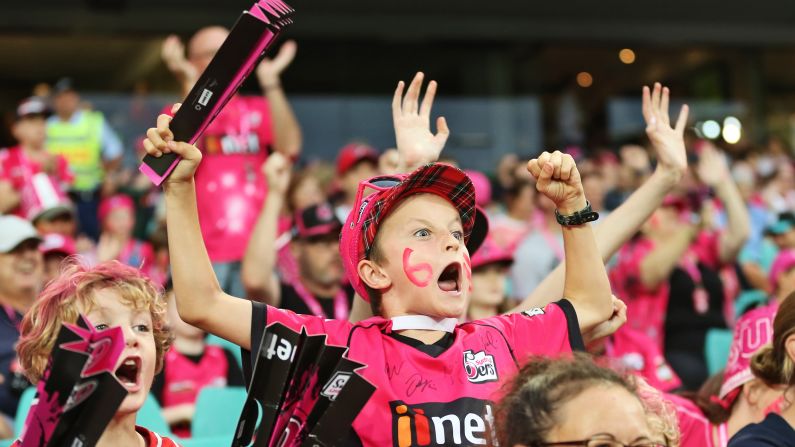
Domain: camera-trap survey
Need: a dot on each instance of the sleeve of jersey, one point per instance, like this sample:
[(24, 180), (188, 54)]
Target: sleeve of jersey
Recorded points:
[(549, 331)]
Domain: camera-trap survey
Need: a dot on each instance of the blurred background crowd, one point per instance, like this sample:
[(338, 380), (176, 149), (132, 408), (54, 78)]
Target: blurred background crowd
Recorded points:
[(82, 83)]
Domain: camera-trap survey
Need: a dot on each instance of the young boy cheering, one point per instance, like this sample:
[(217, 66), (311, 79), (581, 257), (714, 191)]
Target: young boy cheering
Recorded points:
[(404, 247)]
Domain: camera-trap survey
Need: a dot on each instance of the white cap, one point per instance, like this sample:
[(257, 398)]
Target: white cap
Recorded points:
[(14, 231)]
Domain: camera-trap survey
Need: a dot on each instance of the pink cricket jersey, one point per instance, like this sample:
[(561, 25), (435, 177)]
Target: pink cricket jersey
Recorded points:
[(19, 170), (230, 186), (646, 308), (436, 400)]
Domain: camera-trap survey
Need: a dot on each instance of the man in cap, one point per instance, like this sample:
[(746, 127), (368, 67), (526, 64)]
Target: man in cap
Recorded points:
[(318, 289), (31, 178), (20, 282), (230, 185), (91, 147)]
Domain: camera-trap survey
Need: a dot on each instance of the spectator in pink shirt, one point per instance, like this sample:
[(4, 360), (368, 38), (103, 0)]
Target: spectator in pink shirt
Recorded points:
[(32, 179), (230, 185), (670, 275)]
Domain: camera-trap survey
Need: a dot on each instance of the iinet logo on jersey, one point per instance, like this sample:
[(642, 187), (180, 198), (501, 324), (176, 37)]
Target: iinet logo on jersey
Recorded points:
[(465, 421)]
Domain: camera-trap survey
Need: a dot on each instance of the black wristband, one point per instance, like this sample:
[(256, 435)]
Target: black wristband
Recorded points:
[(581, 217)]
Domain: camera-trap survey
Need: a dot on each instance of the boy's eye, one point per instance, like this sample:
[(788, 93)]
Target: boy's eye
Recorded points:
[(142, 327), (458, 235), (422, 233), (101, 326)]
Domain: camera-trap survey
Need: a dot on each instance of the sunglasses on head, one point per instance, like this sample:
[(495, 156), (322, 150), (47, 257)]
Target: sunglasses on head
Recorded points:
[(379, 184)]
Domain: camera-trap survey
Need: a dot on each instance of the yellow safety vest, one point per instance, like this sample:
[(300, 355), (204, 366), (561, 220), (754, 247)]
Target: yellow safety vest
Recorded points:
[(81, 144)]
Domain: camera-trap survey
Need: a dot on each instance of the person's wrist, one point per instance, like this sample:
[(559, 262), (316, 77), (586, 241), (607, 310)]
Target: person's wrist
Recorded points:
[(270, 84), (172, 187), (572, 206), (671, 176), (276, 194)]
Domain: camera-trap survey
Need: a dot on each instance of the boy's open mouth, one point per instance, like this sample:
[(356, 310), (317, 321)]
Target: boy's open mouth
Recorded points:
[(129, 371), (450, 279)]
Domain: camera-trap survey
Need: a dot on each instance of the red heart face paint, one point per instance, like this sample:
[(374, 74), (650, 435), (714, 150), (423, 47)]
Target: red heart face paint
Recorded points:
[(424, 269), (468, 269)]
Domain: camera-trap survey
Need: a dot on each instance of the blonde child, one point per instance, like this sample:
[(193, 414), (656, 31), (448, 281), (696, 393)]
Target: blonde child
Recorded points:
[(109, 294)]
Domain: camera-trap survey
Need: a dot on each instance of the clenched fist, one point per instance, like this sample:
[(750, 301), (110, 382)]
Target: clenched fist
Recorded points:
[(557, 178)]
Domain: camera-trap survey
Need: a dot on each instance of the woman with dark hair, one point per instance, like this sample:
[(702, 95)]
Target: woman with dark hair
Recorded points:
[(775, 365), (733, 399), (574, 402)]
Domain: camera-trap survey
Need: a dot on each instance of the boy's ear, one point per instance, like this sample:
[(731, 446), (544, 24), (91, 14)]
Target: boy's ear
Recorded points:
[(373, 275)]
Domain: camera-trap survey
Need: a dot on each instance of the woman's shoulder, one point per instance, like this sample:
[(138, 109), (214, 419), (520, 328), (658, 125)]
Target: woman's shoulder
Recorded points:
[(774, 431)]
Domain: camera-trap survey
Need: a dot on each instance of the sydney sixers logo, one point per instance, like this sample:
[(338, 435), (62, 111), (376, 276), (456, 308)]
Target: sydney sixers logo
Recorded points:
[(480, 367)]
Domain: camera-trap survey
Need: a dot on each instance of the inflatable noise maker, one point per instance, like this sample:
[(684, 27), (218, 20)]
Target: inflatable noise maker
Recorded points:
[(302, 392), (79, 392), (243, 49)]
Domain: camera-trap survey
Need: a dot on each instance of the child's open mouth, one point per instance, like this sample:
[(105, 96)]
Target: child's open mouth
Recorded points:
[(450, 279), (129, 373)]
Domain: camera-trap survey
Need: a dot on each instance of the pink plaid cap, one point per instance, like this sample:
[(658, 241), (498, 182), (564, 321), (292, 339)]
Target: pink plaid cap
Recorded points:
[(490, 253), (114, 202), (369, 211), (783, 262), (753, 331)]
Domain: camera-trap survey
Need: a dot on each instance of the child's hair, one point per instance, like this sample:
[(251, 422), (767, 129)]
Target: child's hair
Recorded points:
[(660, 413), (527, 412), (771, 363), (58, 303)]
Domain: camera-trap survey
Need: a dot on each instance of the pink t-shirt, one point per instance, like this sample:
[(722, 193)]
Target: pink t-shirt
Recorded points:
[(646, 308), (443, 400), (634, 351), (230, 186), (19, 170)]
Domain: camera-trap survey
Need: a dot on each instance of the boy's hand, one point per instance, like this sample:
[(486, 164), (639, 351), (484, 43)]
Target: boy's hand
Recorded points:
[(160, 140), (557, 178), (277, 172), (269, 70), (668, 142), (416, 144)]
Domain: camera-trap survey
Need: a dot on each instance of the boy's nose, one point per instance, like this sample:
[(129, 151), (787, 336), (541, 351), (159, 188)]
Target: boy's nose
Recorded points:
[(452, 243)]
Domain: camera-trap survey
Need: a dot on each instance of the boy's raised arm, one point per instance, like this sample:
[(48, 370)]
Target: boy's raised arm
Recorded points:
[(620, 225), (200, 300), (586, 285)]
